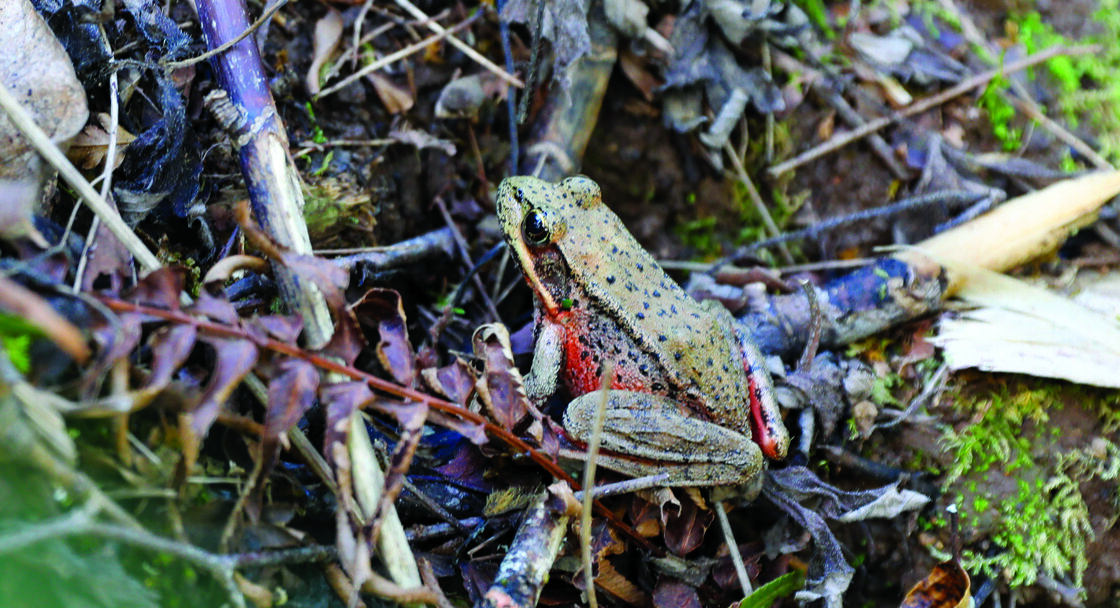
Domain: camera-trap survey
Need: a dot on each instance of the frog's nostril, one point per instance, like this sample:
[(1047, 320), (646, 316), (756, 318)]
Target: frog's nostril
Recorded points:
[(519, 194)]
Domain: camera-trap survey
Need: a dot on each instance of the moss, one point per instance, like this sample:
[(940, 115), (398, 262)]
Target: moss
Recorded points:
[(1042, 526)]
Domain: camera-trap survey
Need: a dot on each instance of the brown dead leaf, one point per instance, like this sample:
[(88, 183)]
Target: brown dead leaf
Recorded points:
[(233, 359), (501, 388), (38, 73), (20, 199), (454, 381), (397, 99), (383, 309), (612, 581), (291, 392), (637, 72), (89, 148), (684, 532), (947, 586), (328, 33)]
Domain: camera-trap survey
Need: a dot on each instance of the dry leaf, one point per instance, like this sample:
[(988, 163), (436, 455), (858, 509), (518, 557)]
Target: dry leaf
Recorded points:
[(89, 148), (397, 99), (328, 32)]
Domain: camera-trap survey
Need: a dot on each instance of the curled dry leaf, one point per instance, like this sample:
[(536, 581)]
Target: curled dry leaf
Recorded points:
[(947, 586), (684, 531), (328, 32), (383, 309), (501, 389)]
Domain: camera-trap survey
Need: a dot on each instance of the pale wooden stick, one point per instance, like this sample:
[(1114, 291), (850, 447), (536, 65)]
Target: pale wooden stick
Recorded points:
[(462, 46), (50, 151)]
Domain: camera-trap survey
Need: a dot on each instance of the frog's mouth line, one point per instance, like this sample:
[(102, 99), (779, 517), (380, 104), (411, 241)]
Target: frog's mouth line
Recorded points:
[(521, 252)]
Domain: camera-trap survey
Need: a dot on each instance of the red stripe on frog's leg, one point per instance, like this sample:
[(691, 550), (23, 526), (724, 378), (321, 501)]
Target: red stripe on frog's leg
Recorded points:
[(767, 428)]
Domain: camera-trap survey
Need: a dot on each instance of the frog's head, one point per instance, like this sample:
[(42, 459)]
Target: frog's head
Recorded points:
[(534, 216)]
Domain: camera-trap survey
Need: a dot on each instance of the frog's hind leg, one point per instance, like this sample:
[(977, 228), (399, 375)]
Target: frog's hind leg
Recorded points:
[(645, 434), (766, 418)]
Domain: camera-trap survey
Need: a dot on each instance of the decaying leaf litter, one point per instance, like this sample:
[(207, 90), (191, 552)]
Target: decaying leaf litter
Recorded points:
[(214, 421)]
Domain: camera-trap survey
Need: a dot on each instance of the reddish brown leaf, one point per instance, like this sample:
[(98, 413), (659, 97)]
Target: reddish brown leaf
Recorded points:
[(383, 309), (285, 328), (454, 381), (684, 532), (159, 289), (474, 432), (500, 389), (216, 309), (170, 348), (340, 401), (291, 392), (645, 518), (411, 419), (673, 593), (723, 572), (233, 359), (117, 337), (108, 258)]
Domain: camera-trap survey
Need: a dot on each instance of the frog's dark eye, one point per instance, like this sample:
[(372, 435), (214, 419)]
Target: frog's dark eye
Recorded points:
[(534, 228)]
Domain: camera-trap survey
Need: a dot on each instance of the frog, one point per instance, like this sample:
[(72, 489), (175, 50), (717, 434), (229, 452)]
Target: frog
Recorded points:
[(690, 397)]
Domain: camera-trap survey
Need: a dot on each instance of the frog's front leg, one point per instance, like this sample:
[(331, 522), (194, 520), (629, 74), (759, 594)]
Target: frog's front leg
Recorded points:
[(548, 359), (651, 434)]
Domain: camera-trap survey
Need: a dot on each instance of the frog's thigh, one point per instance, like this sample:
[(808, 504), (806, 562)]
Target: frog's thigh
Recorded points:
[(660, 436)]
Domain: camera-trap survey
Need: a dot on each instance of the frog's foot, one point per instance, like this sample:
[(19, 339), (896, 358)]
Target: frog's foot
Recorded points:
[(646, 434)]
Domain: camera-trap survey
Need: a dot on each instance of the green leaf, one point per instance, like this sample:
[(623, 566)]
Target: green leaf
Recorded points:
[(766, 595)]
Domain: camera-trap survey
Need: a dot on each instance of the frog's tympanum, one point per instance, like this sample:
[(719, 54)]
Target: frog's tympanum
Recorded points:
[(690, 390)]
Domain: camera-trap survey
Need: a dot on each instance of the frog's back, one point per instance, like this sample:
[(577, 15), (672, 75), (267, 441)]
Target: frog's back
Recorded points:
[(694, 345)]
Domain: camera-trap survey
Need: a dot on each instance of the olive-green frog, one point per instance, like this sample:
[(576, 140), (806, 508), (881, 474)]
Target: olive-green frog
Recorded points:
[(690, 389)]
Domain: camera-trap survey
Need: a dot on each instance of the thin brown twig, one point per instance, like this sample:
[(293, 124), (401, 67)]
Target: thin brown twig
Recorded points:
[(924, 104), (265, 16)]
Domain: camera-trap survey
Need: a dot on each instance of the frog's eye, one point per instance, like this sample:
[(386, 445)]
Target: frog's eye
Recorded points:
[(534, 228)]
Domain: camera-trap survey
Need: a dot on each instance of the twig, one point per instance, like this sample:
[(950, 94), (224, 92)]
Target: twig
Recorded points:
[(50, 151), (944, 197), (106, 175), (396, 56), (462, 46), (307, 147), (756, 199), (733, 549), (922, 105), (589, 481), (265, 16)]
